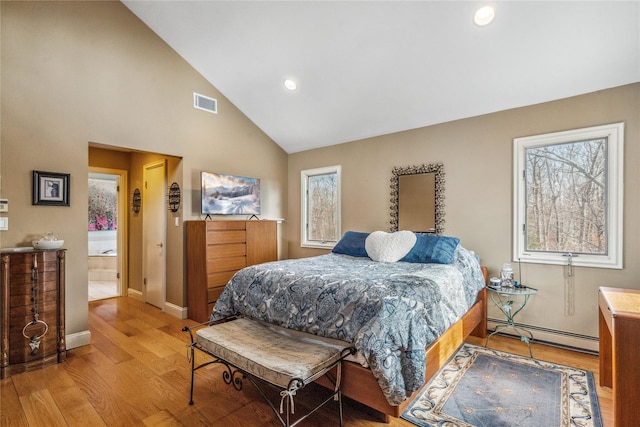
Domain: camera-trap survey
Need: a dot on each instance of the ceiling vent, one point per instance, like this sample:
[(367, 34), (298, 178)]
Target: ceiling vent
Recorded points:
[(205, 103)]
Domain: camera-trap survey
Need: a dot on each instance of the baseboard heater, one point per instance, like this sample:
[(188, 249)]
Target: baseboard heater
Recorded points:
[(552, 337)]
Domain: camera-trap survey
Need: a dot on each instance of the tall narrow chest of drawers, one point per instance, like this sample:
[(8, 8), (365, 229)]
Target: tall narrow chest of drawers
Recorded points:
[(216, 250), (33, 326)]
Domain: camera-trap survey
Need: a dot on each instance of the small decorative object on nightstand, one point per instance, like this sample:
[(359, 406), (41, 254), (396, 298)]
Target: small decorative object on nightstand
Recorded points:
[(511, 301)]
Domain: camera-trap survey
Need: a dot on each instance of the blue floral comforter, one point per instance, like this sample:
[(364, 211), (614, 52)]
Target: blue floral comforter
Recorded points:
[(389, 311)]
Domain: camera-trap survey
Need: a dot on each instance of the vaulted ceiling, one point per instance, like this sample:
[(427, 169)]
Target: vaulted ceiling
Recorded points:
[(368, 68)]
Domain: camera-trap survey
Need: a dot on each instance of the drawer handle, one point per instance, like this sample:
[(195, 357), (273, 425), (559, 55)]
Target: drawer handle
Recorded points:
[(35, 339)]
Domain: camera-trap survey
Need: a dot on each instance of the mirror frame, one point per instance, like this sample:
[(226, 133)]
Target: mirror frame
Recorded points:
[(435, 168)]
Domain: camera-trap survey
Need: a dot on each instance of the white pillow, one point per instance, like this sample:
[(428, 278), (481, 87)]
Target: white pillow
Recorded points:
[(389, 247)]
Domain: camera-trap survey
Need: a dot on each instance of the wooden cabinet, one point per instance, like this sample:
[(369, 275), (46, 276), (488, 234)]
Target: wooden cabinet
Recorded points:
[(619, 328), (216, 250), (32, 290)]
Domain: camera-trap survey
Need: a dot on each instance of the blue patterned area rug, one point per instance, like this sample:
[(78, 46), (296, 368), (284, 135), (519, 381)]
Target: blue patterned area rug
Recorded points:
[(488, 388)]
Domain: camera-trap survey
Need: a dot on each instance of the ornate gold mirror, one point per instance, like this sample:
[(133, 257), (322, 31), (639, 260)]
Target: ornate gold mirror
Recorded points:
[(417, 198)]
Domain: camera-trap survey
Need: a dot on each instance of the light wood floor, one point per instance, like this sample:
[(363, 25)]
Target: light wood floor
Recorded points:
[(135, 372)]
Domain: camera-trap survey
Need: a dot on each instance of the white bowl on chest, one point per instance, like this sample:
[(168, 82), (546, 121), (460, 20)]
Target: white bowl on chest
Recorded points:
[(47, 244)]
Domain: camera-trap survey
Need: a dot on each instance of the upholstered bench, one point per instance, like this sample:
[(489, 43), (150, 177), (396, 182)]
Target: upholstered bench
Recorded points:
[(248, 348)]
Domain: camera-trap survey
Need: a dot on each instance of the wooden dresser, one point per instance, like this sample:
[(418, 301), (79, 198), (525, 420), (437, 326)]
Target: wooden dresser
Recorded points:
[(32, 289), (619, 328), (216, 250)]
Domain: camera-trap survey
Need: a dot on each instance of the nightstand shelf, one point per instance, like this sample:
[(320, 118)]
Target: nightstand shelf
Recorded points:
[(511, 301)]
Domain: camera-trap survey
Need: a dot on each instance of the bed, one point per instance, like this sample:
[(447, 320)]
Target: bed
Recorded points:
[(405, 312)]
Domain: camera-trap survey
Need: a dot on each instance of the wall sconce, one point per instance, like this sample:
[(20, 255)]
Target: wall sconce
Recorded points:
[(136, 201), (173, 197)]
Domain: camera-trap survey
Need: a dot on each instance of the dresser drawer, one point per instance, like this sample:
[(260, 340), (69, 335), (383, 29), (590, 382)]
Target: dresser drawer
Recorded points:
[(226, 236), (50, 296), (23, 265), (21, 351), (225, 225), (44, 284), (214, 293), (217, 265), (226, 251), (219, 279), (44, 306)]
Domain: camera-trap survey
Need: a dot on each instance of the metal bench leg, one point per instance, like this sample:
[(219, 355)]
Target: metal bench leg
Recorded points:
[(340, 405), (232, 377), (193, 372)]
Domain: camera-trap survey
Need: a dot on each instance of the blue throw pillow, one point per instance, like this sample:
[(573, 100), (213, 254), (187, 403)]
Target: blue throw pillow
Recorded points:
[(352, 243), (431, 248)]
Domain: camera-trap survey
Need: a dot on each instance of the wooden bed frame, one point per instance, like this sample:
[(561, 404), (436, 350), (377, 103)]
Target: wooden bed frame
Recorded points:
[(359, 384)]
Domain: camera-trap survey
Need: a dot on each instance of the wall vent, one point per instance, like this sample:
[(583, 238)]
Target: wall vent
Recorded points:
[(205, 103)]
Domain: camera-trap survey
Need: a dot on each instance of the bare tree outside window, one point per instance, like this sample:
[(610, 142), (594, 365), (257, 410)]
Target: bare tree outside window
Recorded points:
[(566, 196), (323, 201), (320, 207)]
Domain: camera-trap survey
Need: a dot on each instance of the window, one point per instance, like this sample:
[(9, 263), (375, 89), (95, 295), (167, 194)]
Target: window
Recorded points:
[(320, 207), (568, 197)]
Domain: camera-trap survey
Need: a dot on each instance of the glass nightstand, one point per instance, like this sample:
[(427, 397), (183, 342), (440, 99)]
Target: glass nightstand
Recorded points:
[(511, 301)]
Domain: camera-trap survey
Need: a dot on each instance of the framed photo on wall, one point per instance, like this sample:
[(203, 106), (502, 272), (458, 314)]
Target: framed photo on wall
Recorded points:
[(50, 188)]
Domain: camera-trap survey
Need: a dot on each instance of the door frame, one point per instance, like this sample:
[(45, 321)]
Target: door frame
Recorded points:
[(122, 233)]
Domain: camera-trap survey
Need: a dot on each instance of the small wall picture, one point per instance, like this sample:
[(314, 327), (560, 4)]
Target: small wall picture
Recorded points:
[(50, 188)]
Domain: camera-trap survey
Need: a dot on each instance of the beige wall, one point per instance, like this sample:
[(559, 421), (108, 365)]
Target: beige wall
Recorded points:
[(477, 156), (75, 73)]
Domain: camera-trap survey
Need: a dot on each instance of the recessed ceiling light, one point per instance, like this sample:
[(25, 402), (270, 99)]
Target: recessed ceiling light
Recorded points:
[(290, 84), (484, 15)]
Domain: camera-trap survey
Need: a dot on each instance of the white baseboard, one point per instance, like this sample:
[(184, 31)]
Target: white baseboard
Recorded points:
[(560, 338), (135, 294), (175, 310), (78, 339), (169, 308)]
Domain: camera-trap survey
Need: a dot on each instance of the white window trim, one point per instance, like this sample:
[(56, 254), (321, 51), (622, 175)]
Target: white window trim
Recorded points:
[(615, 164), (304, 242)]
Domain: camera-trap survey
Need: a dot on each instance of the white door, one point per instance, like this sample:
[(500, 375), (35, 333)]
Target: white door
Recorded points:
[(154, 220)]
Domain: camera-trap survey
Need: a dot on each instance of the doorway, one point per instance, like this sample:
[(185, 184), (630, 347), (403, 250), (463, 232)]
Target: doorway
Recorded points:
[(135, 273), (106, 231)]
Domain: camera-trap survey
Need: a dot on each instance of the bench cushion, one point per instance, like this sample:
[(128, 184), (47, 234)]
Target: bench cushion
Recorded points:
[(270, 356)]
